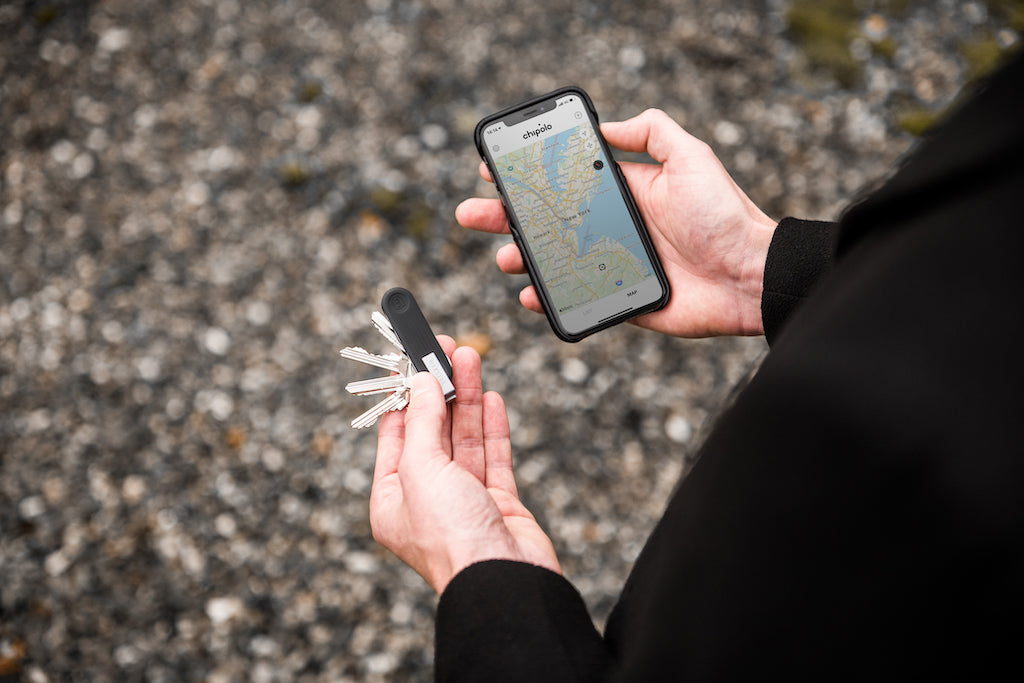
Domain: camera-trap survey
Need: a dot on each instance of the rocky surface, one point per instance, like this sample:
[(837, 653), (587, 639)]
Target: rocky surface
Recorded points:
[(203, 200)]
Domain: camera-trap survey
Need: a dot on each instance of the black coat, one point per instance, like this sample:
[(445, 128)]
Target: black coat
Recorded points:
[(859, 511)]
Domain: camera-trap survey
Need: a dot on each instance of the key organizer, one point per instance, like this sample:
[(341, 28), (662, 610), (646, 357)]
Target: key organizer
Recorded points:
[(407, 330)]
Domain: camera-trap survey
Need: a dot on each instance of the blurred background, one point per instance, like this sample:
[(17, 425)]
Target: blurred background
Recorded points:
[(202, 201)]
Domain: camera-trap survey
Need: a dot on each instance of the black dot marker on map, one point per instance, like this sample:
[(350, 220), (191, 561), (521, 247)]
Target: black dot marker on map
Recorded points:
[(598, 164)]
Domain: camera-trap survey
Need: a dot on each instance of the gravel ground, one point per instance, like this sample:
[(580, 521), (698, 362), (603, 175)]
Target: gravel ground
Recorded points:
[(202, 201)]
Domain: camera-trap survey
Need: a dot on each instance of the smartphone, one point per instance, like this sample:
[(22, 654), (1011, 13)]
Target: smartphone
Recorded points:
[(583, 240)]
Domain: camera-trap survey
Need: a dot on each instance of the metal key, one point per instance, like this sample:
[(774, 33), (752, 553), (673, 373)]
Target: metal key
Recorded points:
[(397, 385), (383, 326), (378, 385), (395, 401), (392, 361)]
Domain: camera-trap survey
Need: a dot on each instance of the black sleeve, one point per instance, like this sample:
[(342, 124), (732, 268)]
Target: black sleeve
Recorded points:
[(509, 621), (800, 253)]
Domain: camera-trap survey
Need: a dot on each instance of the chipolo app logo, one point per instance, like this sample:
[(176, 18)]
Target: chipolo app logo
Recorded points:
[(536, 133)]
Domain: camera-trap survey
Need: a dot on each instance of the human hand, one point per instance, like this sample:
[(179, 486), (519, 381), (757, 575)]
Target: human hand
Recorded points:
[(444, 496), (711, 238)]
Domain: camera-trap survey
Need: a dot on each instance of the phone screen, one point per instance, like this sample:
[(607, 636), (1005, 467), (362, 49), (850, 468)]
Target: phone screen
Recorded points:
[(584, 240)]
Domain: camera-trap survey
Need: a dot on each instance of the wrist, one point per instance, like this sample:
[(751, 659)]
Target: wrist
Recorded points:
[(457, 560), (750, 284)]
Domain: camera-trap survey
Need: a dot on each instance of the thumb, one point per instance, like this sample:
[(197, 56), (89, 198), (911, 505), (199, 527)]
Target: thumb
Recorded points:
[(653, 132), (425, 415)]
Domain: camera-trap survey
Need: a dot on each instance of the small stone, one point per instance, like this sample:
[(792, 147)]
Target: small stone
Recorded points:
[(225, 525), (63, 151), (476, 340), (82, 166), (728, 133), (133, 488), (38, 420), (434, 136), (149, 368), (258, 313), (112, 331), (56, 563), (215, 402), (222, 610), (632, 58), (197, 193), (381, 663), (308, 117), (126, 655), (114, 40), (875, 27), (401, 613), (264, 646), (574, 370), (30, 507), (222, 158), (273, 459), (54, 490), (361, 563), (975, 12), (216, 341), (678, 428), (235, 438), (322, 443)]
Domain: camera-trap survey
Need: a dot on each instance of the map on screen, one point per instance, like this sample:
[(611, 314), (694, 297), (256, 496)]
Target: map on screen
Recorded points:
[(577, 226)]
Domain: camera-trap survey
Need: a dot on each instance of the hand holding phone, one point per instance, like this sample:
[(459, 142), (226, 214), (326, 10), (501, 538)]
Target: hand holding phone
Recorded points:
[(583, 240), (711, 237)]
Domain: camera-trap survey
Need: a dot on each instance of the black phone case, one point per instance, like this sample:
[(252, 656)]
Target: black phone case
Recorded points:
[(519, 235)]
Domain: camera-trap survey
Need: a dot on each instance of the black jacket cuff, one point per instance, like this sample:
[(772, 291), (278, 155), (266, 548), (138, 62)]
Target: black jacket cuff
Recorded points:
[(800, 253), (509, 621)]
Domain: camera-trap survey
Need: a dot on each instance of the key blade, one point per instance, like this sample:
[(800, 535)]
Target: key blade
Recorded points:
[(395, 401), (391, 361), (378, 385), (381, 321), (383, 326)]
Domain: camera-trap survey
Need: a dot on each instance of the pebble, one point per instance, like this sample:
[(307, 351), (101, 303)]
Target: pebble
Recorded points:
[(216, 341), (575, 370), (30, 507), (114, 39), (678, 428), (224, 609), (728, 133), (434, 136)]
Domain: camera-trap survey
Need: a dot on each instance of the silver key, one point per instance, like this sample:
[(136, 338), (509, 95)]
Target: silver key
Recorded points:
[(392, 361), (378, 385), (395, 401), (396, 386), (383, 326)]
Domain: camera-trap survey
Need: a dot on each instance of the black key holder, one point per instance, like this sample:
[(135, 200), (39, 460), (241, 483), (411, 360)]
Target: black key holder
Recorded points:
[(412, 329)]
